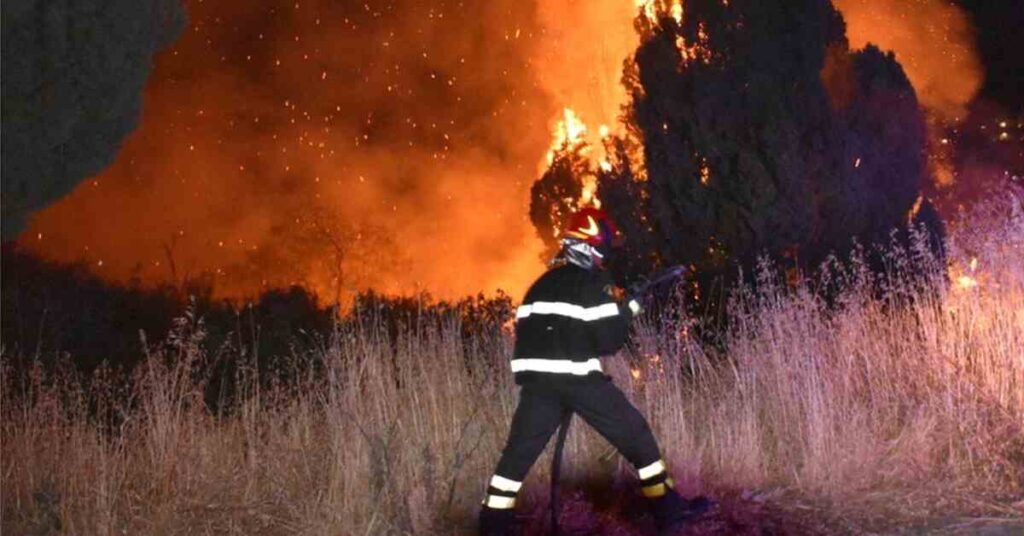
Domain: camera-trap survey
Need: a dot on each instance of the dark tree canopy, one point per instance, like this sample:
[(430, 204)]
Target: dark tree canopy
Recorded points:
[(553, 197), (762, 134), (627, 201)]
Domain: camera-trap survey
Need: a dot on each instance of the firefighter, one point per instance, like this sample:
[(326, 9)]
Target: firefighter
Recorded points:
[(567, 321)]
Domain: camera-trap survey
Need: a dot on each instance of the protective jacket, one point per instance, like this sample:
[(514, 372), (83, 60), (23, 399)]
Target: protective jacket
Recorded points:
[(568, 319)]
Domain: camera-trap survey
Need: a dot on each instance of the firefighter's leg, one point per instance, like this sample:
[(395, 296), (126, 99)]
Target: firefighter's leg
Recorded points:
[(536, 419), (603, 406)]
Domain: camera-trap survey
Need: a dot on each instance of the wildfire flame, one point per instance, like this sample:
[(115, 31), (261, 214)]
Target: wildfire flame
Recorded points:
[(589, 194), (651, 9), (569, 134), (408, 140)]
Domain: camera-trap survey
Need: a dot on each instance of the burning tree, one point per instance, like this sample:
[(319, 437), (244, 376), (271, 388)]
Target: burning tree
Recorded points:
[(567, 184), (761, 133)]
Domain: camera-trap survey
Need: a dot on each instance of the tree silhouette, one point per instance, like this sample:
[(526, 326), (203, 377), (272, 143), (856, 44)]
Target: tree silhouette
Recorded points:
[(553, 197), (762, 134)]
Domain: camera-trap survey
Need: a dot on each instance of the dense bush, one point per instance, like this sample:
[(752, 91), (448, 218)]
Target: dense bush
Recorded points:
[(55, 312)]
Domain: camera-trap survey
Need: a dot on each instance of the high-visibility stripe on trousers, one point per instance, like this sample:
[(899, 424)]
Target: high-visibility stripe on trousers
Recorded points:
[(501, 493), (654, 480)]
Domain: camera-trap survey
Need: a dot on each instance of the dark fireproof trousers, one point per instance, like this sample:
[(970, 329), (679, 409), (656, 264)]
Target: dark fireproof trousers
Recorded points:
[(599, 402)]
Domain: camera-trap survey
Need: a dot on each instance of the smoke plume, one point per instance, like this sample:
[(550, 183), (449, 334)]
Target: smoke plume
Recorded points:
[(934, 42), (336, 145), (352, 145)]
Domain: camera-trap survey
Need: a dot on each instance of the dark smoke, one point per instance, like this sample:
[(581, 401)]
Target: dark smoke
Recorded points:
[(73, 73)]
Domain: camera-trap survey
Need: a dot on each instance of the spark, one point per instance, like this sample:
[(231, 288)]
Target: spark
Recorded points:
[(705, 171)]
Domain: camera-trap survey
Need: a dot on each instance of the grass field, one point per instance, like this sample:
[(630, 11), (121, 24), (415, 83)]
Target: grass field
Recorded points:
[(878, 412)]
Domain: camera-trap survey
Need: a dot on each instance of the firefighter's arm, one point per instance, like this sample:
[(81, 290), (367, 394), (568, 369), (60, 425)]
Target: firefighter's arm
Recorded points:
[(609, 332), (626, 298)]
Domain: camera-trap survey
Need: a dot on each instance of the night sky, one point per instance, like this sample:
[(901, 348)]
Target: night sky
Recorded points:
[(1000, 44)]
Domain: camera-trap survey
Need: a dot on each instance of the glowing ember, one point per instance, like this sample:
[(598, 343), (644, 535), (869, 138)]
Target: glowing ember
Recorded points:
[(698, 51), (705, 171), (915, 210), (967, 279), (966, 282)]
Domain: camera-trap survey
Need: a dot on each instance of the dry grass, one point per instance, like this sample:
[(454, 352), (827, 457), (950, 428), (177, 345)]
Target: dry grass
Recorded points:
[(877, 402)]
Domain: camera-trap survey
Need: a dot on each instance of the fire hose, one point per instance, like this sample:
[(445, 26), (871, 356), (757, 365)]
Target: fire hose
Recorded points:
[(637, 293)]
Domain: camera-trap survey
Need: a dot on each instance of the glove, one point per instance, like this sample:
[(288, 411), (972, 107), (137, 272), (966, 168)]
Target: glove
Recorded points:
[(634, 306)]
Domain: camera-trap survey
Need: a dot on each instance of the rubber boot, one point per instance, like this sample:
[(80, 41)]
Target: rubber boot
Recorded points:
[(672, 512), (498, 522)]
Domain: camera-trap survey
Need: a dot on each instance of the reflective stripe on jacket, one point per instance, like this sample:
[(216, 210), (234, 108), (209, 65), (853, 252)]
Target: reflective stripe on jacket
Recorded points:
[(568, 319)]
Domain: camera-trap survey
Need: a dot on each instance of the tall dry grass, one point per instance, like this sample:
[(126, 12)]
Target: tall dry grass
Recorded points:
[(914, 394)]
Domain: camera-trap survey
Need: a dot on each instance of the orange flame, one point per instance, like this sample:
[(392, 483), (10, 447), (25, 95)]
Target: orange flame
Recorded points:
[(589, 194), (398, 146), (569, 134)]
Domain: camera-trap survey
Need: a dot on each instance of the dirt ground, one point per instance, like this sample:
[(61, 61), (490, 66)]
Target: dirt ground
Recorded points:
[(749, 514)]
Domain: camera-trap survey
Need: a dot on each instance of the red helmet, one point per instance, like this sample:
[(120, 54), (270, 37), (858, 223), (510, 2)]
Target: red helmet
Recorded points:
[(593, 226)]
